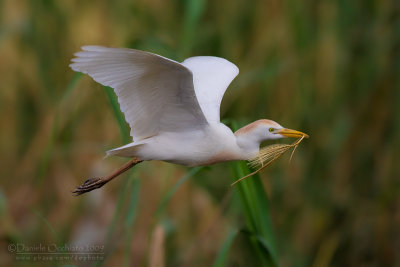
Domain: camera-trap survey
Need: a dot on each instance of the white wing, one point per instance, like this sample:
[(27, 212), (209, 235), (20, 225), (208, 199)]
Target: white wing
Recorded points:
[(211, 78), (155, 93)]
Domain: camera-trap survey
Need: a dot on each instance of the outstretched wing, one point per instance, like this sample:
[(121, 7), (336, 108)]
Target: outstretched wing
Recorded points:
[(211, 78), (155, 93)]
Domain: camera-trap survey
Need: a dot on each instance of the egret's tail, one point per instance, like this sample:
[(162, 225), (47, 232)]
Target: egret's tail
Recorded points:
[(129, 150)]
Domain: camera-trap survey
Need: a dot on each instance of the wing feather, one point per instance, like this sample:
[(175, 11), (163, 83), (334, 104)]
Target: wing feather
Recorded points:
[(211, 78), (155, 93)]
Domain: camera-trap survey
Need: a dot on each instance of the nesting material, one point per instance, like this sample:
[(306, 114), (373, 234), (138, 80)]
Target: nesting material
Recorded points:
[(268, 155)]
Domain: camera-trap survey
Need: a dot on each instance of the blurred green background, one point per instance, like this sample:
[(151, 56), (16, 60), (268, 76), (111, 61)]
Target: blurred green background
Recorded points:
[(328, 68)]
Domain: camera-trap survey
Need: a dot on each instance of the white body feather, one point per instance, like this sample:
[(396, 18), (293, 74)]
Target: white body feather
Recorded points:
[(213, 143)]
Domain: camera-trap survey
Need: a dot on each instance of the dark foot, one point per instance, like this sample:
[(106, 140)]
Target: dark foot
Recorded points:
[(89, 185)]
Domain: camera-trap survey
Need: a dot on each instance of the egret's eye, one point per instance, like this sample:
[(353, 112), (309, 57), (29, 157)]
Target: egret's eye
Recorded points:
[(271, 130)]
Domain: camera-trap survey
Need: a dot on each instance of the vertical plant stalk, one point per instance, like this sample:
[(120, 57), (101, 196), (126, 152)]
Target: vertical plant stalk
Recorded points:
[(255, 206), (119, 116), (128, 186), (222, 256), (55, 129)]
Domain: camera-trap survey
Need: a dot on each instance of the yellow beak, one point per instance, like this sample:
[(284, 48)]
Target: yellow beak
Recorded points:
[(291, 133)]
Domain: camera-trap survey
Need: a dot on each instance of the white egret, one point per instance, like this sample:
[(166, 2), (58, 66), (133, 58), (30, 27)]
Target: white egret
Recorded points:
[(172, 109)]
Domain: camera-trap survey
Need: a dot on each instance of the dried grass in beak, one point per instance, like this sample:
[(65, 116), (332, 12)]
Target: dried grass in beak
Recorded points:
[(268, 155)]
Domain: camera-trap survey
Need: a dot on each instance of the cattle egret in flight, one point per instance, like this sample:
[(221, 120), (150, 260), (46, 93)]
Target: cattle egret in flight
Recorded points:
[(172, 109)]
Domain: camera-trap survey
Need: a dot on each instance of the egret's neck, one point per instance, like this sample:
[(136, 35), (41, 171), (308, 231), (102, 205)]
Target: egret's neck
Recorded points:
[(248, 142)]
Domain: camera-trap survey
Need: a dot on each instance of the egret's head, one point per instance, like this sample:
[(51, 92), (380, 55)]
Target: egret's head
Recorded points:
[(254, 133), (276, 131), (268, 130)]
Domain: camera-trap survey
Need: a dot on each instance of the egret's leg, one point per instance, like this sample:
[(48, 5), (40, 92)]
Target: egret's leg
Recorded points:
[(97, 182)]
